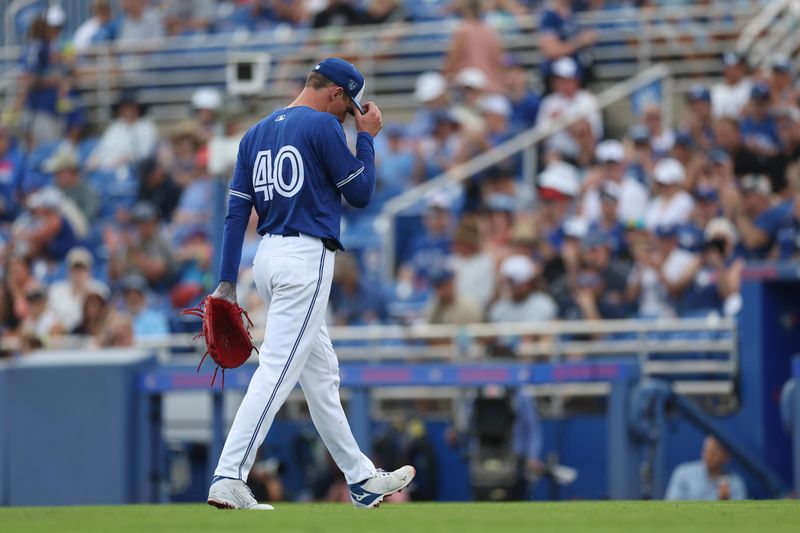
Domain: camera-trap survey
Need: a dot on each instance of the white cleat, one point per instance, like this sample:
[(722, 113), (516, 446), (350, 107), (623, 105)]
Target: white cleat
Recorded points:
[(371, 492), (226, 493)]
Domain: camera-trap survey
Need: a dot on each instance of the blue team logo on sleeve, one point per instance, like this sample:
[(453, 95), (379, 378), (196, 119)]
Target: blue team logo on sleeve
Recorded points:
[(284, 175)]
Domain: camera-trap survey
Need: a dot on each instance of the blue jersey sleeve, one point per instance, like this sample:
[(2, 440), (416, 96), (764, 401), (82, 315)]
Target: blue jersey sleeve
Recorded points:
[(240, 204), (353, 175)]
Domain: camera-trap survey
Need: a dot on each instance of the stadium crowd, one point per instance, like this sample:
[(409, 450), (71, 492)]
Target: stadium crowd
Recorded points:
[(107, 236)]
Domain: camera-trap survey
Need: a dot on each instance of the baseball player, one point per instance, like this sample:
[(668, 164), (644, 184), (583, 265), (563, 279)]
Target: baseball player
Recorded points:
[(293, 167)]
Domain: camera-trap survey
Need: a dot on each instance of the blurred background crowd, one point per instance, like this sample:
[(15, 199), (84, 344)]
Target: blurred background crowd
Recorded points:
[(107, 230)]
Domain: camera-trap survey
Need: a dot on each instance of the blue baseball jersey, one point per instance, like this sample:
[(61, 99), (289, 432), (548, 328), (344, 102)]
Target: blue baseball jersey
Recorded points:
[(293, 167)]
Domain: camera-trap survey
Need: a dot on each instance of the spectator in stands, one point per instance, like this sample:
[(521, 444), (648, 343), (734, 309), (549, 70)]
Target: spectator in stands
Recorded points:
[(193, 273), (609, 221), (338, 13), (439, 149), (560, 36), (430, 91), (520, 300), (18, 282), (785, 167), (181, 156), (632, 195), (65, 166), (661, 136), (788, 236), (707, 479), (144, 251), (157, 187), (568, 99), (52, 226), (756, 219), (129, 139), (499, 219), (447, 306), (473, 267), (187, 17), (385, 12), (429, 250), (691, 235), (100, 28), (193, 211), (661, 273), (146, 321), (117, 331), (599, 289), (698, 121), (470, 86), (758, 128), (495, 113), (672, 205), (641, 154), (730, 96), (206, 104), (475, 44), (41, 76), (396, 163), (524, 100), (683, 150), (353, 301), (139, 23), (580, 132), (40, 322), (728, 137), (716, 278), (11, 174), (67, 296), (95, 316), (780, 81), (559, 186)]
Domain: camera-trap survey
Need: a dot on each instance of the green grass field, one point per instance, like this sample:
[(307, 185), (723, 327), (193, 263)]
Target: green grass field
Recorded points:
[(567, 517)]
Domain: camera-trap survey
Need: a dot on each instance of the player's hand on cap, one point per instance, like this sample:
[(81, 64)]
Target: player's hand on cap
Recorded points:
[(370, 121)]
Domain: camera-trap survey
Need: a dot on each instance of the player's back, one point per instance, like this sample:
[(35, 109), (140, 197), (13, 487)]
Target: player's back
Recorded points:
[(290, 163)]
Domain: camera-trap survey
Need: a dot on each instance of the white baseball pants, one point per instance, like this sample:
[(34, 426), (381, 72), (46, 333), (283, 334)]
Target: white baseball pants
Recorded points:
[(293, 276)]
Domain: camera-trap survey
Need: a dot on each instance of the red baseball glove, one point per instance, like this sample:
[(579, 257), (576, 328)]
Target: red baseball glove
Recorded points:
[(227, 335)]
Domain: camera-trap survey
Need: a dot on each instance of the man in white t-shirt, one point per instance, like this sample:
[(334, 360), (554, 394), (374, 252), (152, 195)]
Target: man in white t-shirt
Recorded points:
[(729, 96), (66, 297), (568, 99), (633, 196), (522, 302), (671, 204), (662, 272)]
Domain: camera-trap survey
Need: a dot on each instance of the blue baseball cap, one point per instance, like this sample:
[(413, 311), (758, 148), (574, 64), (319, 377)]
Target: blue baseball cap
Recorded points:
[(760, 92), (345, 75), (666, 231), (698, 93)]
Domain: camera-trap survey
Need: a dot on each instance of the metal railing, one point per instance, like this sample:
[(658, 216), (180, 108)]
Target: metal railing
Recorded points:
[(776, 30), (525, 142)]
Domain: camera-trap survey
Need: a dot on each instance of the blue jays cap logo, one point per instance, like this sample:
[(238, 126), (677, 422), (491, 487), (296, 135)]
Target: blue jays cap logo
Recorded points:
[(345, 75)]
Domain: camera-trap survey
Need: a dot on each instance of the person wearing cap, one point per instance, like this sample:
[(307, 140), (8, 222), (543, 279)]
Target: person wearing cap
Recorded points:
[(99, 28), (157, 187), (632, 196), (397, 165), (561, 36), (670, 205), (446, 305), (186, 142), (598, 289), (439, 148), (65, 167), (662, 271), (558, 186), (698, 121), (609, 222), (206, 106), (475, 44), (427, 251), (759, 131), (471, 86), (495, 111), (11, 174), (67, 296), (780, 81), (661, 137), (728, 138), (752, 211), (524, 100), (354, 300), (430, 92), (520, 301), (147, 321), (144, 250), (56, 226), (40, 322), (568, 99), (706, 208), (729, 97), (139, 23), (294, 167), (128, 139), (787, 239), (716, 278)]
